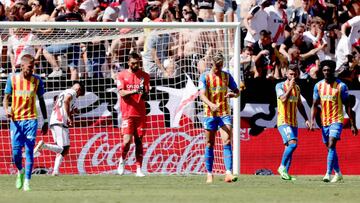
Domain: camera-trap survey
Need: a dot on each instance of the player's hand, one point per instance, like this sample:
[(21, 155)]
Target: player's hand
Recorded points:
[(292, 83), (9, 115), (230, 95), (45, 128), (308, 125), (312, 126), (214, 107), (70, 122), (242, 86)]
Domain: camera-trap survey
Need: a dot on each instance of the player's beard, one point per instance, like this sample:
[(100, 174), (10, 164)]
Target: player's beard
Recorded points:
[(27, 74), (134, 69)]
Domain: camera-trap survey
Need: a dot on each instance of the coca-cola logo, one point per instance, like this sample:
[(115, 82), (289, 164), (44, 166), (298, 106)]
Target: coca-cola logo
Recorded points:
[(170, 153)]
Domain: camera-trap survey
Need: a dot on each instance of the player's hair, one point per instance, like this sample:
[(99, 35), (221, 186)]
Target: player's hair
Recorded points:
[(329, 63), (350, 4), (82, 87), (134, 55), (248, 48), (28, 56), (55, 99), (293, 67), (317, 20), (218, 57), (265, 33), (301, 25)]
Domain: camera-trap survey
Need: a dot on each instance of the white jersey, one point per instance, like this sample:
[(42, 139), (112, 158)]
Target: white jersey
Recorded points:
[(258, 22), (59, 115), (277, 20), (89, 5), (21, 46), (342, 50), (314, 40), (354, 36)]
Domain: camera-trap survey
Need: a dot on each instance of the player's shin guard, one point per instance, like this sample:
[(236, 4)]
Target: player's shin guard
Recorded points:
[(29, 153), (336, 163), (330, 160), (125, 149), (288, 154), (228, 157), (57, 164), (55, 148), (288, 163), (17, 157), (139, 155), (209, 158)]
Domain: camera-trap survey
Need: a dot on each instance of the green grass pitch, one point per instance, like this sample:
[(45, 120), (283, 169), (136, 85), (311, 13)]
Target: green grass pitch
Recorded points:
[(159, 189)]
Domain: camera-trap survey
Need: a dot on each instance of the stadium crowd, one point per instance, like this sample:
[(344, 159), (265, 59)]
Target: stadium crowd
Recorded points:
[(275, 34)]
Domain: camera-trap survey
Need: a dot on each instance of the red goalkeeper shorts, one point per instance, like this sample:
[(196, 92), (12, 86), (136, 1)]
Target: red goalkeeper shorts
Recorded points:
[(132, 125)]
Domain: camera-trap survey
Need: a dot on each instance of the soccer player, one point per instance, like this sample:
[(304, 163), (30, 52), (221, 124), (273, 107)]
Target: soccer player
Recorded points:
[(133, 86), (288, 101), (214, 93), (331, 94), (60, 120), (22, 88)]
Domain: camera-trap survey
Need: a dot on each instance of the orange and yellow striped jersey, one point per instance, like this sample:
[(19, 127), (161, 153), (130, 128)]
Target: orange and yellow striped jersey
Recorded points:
[(332, 97), (287, 110), (216, 87), (23, 95)]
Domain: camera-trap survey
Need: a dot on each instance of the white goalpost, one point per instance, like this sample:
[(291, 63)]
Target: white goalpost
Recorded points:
[(176, 54)]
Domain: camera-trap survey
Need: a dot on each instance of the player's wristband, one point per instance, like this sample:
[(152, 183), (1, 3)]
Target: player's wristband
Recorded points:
[(46, 120)]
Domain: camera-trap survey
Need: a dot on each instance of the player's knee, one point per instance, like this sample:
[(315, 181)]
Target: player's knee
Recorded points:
[(65, 150), (210, 144), (16, 149), (293, 145), (227, 142)]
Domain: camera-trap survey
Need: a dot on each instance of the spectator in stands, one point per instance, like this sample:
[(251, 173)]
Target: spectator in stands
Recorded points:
[(238, 11), (71, 50), (20, 45), (255, 21), (301, 15), (246, 62), (171, 69), (2, 13), (195, 49), (188, 14), (39, 15), (136, 9), (91, 8), (264, 55), (224, 10), (159, 46), (295, 39), (333, 35), (308, 57), (35, 8), (317, 37), (205, 10), (277, 21), (17, 11), (349, 42)]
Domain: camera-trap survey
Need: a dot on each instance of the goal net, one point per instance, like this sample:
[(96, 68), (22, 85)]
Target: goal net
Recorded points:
[(175, 55)]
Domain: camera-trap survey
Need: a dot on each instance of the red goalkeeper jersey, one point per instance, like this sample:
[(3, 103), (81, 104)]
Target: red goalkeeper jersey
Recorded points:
[(132, 105)]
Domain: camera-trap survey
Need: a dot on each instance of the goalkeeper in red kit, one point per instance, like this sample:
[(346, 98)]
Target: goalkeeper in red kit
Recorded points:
[(133, 86)]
